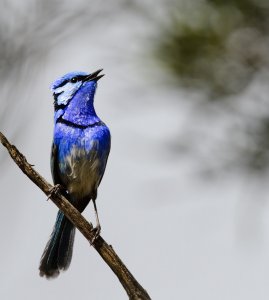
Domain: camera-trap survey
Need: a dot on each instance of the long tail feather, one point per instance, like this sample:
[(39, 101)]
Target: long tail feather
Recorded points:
[(58, 251)]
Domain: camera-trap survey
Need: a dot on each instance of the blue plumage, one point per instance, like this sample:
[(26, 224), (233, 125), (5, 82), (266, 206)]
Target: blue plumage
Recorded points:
[(80, 149)]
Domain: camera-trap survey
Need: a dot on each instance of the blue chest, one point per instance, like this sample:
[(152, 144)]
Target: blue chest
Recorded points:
[(96, 138)]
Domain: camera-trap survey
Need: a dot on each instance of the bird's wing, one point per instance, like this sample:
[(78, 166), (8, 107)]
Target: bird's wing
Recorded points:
[(105, 155), (54, 164)]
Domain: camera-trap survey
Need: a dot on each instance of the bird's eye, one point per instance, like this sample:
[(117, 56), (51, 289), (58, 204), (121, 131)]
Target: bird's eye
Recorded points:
[(74, 79)]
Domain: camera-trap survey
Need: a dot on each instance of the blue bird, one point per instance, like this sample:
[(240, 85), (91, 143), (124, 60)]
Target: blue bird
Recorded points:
[(80, 149)]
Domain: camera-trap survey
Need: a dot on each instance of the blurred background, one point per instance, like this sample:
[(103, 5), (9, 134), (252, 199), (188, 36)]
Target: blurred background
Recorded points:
[(184, 200)]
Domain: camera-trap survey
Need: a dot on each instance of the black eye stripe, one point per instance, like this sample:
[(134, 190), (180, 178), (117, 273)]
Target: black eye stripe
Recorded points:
[(77, 78), (63, 83)]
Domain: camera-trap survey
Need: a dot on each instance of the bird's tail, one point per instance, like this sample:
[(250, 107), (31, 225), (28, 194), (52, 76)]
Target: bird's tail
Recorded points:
[(58, 251)]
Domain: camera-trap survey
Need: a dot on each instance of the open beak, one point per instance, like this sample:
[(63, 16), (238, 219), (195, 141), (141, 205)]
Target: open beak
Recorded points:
[(94, 76)]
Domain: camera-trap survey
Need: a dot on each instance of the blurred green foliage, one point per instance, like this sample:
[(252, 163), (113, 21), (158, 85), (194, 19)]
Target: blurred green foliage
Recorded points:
[(215, 45), (220, 49)]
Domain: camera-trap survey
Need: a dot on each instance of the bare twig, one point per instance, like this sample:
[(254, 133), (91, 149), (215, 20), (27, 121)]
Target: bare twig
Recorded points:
[(130, 284)]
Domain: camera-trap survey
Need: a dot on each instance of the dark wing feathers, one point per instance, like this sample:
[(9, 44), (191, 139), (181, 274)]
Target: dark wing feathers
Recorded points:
[(54, 165)]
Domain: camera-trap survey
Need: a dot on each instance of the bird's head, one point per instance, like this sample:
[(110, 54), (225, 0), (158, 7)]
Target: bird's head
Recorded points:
[(67, 86)]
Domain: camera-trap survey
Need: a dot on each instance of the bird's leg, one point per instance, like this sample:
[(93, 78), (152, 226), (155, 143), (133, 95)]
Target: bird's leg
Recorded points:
[(54, 190), (97, 229)]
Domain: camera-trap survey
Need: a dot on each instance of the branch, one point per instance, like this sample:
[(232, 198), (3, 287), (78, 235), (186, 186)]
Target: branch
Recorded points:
[(134, 290)]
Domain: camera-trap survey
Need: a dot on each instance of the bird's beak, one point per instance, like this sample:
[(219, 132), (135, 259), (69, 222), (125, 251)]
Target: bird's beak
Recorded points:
[(94, 76)]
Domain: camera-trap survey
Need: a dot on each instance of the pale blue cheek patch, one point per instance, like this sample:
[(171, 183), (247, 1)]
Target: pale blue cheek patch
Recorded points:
[(66, 92)]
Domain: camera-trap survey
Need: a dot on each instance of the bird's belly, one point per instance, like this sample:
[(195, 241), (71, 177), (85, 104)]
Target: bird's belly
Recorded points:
[(81, 173), (83, 185)]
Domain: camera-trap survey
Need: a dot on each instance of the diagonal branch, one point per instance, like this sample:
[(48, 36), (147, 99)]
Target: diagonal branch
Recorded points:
[(134, 290)]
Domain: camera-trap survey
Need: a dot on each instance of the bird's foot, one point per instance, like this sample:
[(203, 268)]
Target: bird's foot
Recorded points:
[(96, 231), (54, 190)]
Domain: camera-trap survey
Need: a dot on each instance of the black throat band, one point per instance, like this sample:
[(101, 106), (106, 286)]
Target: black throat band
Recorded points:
[(74, 125)]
